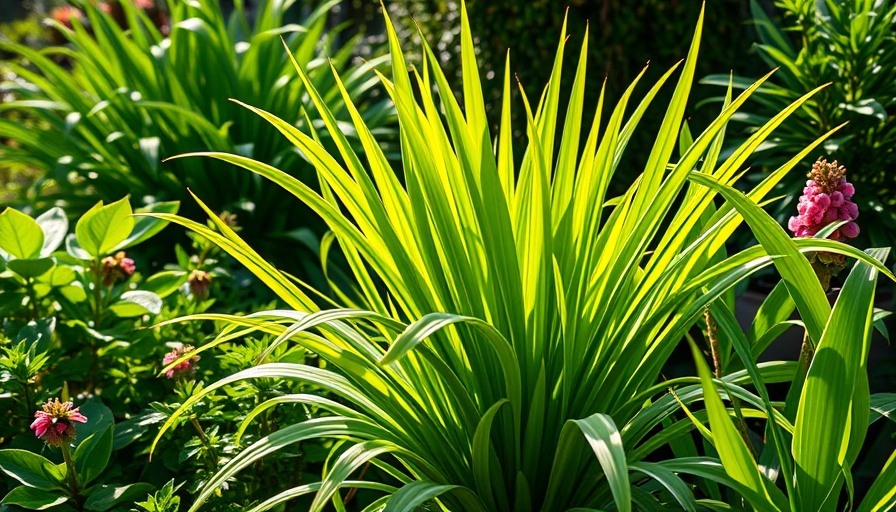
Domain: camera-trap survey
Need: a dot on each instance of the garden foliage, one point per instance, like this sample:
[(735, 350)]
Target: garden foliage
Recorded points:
[(495, 322), (851, 47), (105, 109), (505, 317), (77, 323)]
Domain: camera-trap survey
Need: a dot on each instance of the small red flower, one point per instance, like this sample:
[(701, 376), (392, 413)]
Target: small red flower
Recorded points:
[(117, 267), (65, 13), (184, 369), (55, 423)]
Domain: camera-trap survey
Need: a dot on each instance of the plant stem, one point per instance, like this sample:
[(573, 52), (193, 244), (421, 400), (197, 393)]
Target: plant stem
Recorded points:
[(354, 490), (72, 474), (213, 455), (97, 294), (32, 298), (26, 392), (711, 335)]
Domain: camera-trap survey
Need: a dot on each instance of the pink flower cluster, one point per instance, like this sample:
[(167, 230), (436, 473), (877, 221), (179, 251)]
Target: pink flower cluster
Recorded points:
[(55, 423), (183, 369), (116, 268), (827, 198)]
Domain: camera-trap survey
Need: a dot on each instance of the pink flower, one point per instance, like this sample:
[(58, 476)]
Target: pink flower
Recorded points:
[(832, 215), (117, 267), (65, 13), (847, 189), (55, 423), (837, 199), (826, 199), (183, 369), (850, 230)]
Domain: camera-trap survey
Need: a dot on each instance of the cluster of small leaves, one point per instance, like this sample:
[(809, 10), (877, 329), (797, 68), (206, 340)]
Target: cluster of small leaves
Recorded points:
[(86, 320)]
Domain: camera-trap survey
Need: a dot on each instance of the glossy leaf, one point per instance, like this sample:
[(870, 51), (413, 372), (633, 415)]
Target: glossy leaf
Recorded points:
[(826, 398), (31, 269), (20, 235), (34, 499), (104, 227), (54, 225), (92, 455), (31, 469)]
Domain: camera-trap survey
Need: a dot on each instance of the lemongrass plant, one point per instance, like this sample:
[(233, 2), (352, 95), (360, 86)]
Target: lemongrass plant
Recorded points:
[(506, 317)]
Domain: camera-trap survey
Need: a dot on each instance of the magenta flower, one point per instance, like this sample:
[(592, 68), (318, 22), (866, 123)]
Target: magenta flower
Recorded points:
[(826, 199), (184, 369), (55, 423)]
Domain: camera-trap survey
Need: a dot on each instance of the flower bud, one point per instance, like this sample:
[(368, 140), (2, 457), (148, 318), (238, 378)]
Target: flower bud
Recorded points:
[(200, 282)]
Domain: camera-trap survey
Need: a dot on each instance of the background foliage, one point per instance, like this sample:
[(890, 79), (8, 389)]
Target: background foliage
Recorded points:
[(624, 36), (105, 109), (850, 45)]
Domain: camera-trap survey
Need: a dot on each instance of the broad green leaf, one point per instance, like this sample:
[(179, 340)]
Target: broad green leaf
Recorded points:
[(99, 417), (74, 293), (54, 225), (733, 451), (147, 227), (92, 455), (103, 228), (31, 269), (165, 283), (839, 361), (34, 499), (20, 235), (882, 494), (883, 405), (796, 270), (482, 454), (672, 482), (74, 249), (38, 333), (136, 303), (414, 494), (105, 497), (711, 469), (31, 469), (61, 275), (601, 434)]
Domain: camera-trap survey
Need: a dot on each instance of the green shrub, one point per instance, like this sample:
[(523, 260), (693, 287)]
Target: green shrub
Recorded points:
[(107, 108), (507, 317), (852, 47), (81, 320)]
